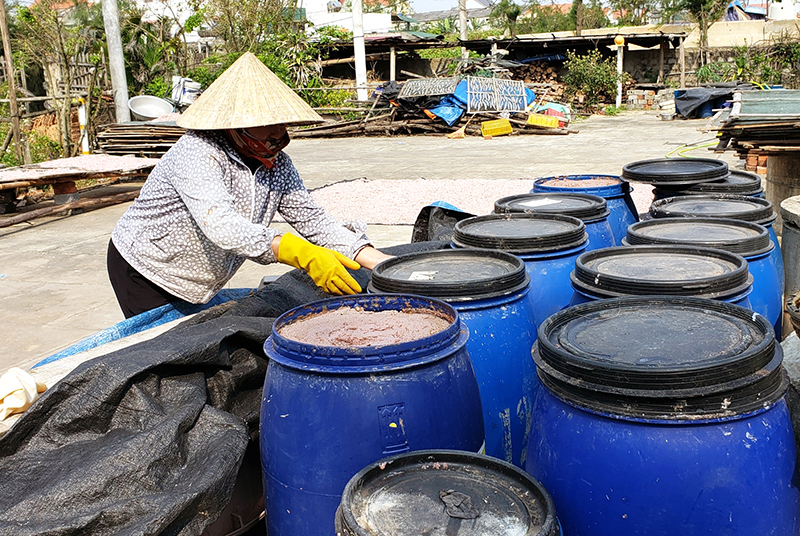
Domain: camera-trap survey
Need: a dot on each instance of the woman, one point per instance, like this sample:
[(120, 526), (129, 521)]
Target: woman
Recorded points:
[(206, 207)]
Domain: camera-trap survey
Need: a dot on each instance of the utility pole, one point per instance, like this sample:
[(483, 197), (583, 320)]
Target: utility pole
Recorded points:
[(116, 60), (358, 50), (12, 89)]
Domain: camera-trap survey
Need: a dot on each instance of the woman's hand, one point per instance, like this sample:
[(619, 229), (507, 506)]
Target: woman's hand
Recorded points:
[(369, 257)]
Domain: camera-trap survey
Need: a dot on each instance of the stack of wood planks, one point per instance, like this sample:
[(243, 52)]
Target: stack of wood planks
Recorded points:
[(386, 125), (758, 124), (147, 139)]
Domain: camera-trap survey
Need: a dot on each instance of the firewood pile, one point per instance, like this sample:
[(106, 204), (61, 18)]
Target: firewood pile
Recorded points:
[(541, 73)]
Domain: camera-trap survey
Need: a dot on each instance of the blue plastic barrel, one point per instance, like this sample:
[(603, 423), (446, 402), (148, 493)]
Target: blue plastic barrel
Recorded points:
[(736, 183), (328, 411), (664, 416), (445, 492), (667, 270), (738, 207), (489, 289), (616, 192), (547, 243), (748, 239), (592, 210)]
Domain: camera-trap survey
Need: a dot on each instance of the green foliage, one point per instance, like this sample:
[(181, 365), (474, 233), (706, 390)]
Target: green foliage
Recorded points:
[(592, 76), (158, 88), (324, 99), (592, 15), (42, 148), (763, 65), (445, 27), (193, 22), (630, 12), (545, 18), (504, 16), (612, 110)]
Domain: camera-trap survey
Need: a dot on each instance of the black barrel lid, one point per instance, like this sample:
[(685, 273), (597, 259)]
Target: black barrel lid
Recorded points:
[(737, 182), (672, 270), (585, 207), (454, 275), (466, 493), (744, 238), (520, 233), (737, 207), (675, 171), (662, 356)]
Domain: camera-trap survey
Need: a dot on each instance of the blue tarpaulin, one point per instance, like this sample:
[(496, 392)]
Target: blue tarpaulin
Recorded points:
[(145, 321)]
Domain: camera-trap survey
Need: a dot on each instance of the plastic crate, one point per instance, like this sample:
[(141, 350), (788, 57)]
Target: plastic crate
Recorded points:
[(543, 120), (496, 127)]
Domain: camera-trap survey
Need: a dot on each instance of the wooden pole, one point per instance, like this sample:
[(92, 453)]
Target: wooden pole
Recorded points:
[(12, 90), (116, 60), (392, 64), (682, 60), (662, 52), (620, 59)]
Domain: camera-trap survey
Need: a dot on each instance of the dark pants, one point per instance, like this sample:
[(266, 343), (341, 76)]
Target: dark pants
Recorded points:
[(135, 293)]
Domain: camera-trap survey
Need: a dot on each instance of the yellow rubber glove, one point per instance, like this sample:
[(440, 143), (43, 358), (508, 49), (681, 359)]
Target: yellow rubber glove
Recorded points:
[(325, 266)]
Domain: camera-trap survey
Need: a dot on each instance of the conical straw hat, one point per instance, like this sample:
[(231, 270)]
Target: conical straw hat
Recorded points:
[(246, 95)]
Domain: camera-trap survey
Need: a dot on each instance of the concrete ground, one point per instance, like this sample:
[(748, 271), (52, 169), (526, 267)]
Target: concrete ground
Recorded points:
[(53, 285)]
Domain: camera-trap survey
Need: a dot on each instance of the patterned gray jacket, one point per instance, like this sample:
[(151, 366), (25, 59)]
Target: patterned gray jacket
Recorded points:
[(202, 212)]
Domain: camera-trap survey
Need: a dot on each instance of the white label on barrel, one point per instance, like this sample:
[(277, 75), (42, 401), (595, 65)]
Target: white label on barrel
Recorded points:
[(427, 275), (540, 202)]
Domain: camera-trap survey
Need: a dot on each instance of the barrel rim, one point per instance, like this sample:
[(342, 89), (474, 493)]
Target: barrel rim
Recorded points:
[(453, 291), (596, 208), (609, 191), (342, 360), (633, 171), (607, 285), (549, 526), (703, 378), (765, 215), (556, 242), (755, 398), (749, 247)]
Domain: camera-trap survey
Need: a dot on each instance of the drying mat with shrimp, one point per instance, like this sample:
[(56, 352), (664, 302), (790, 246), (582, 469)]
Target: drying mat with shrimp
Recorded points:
[(398, 202)]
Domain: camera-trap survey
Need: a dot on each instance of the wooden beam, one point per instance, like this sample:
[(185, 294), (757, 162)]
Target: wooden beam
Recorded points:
[(336, 61), (95, 202)]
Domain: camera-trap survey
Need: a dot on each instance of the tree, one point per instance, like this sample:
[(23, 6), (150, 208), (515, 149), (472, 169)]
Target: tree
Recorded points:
[(54, 35), (630, 12), (705, 13), (584, 16), (245, 25), (546, 18), (505, 15)]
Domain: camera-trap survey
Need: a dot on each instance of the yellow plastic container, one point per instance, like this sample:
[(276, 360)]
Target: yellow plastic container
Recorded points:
[(543, 120), (496, 127)]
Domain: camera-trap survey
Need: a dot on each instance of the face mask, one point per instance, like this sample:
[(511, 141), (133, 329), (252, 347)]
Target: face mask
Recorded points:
[(264, 150)]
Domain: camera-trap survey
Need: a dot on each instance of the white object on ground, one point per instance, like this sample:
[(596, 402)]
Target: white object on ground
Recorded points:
[(18, 390)]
